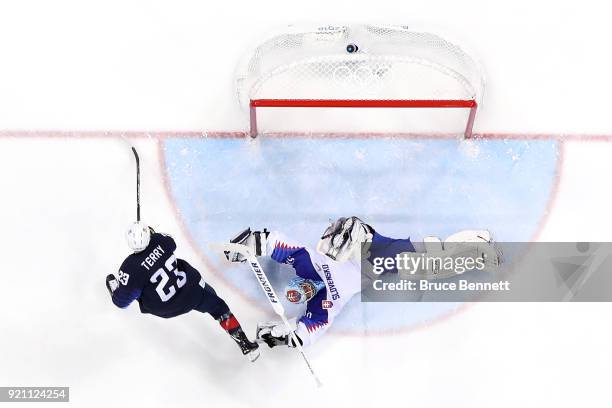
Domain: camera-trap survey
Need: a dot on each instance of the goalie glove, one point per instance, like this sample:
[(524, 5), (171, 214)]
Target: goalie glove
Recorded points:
[(111, 283), (343, 238), (254, 240), (275, 334)]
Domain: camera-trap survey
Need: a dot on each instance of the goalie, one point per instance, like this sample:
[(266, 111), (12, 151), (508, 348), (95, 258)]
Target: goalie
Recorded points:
[(328, 278)]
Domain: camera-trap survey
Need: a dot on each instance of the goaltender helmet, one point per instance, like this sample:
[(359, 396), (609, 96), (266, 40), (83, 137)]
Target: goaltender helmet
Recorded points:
[(138, 236), (300, 290)]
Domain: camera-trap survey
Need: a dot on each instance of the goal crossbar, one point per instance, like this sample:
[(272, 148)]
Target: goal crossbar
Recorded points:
[(470, 104)]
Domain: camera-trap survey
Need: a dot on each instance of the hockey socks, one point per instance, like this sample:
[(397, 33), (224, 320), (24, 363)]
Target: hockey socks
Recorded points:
[(229, 322)]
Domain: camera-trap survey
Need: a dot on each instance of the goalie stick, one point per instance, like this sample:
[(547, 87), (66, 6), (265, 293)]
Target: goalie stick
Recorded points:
[(270, 294)]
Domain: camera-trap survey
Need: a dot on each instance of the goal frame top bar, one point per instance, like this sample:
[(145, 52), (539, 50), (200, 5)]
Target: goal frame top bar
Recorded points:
[(363, 103), (470, 104)]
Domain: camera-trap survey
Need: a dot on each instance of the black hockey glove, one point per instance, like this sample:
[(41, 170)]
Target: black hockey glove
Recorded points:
[(286, 340), (272, 341), (111, 283)]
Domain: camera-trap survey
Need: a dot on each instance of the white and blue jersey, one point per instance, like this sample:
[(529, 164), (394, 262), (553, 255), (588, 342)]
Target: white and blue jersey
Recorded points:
[(342, 282), (342, 279)]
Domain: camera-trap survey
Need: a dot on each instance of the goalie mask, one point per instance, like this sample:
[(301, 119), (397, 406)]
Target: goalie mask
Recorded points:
[(300, 290)]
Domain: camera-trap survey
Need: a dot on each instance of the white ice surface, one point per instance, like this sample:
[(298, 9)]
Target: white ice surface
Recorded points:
[(166, 65)]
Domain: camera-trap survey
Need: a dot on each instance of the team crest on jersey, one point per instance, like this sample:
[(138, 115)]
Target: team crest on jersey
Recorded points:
[(327, 304)]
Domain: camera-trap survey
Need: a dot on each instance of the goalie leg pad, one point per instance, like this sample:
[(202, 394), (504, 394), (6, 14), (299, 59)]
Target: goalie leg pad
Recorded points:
[(480, 241), (463, 244), (255, 240)]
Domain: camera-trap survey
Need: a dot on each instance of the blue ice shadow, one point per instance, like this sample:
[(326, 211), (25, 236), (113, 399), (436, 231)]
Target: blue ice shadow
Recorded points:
[(401, 187)]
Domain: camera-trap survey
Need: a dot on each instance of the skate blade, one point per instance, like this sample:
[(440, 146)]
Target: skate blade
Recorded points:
[(253, 356)]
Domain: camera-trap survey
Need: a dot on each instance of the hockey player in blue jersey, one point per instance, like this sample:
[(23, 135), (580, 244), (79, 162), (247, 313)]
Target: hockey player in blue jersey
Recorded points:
[(167, 286), (327, 279)]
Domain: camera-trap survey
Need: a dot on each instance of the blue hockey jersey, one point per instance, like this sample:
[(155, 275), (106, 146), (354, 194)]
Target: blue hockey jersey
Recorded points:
[(162, 284)]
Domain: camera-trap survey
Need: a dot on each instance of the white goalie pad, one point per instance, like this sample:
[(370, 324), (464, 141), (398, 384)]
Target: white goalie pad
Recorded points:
[(432, 244), (468, 244), (470, 236)]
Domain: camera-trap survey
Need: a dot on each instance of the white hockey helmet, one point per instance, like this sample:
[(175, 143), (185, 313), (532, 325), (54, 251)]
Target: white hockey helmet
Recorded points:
[(138, 236)]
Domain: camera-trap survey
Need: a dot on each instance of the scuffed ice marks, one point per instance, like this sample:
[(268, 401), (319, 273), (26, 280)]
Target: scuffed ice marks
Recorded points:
[(403, 187)]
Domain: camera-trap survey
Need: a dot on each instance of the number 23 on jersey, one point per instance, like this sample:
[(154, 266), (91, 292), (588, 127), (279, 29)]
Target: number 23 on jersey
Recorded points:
[(161, 277)]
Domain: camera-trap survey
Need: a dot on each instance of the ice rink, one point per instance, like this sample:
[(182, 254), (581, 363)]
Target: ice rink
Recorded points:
[(80, 81)]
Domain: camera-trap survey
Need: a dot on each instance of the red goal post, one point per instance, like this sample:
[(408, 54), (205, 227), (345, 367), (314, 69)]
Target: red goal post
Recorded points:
[(390, 67)]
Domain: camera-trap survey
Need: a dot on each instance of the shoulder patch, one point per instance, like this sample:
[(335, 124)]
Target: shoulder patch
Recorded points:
[(123, 277)]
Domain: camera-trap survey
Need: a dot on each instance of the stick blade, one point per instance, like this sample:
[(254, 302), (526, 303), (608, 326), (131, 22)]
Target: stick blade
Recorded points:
[(227, 246)]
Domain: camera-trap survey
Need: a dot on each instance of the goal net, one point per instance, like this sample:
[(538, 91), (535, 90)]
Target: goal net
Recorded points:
[(379, 68)]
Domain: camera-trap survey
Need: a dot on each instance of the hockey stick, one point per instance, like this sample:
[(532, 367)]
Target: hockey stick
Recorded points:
[(137, 183), (269, 291), (131, 146)]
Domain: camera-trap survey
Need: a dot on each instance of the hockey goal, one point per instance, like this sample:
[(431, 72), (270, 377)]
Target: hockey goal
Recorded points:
[(359, 66)]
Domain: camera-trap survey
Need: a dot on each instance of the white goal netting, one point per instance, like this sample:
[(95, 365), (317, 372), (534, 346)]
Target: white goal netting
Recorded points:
[(390, 63)]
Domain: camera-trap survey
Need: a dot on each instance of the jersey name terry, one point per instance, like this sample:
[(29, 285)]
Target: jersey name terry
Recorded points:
[(153, 256)]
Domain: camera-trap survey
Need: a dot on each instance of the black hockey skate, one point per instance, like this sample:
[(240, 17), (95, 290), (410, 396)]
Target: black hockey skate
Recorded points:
[(248, 348)]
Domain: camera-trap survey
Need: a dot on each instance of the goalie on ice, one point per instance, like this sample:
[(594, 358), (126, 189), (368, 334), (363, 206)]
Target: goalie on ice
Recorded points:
[(326, 279)]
